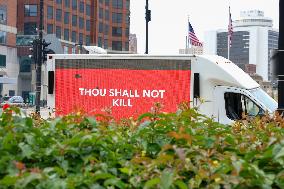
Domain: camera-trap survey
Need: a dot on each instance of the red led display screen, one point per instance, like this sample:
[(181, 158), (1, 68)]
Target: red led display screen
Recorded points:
[(127, 87)]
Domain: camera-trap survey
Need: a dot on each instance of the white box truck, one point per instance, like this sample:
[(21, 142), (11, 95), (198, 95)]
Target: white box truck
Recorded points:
[(129, 85)]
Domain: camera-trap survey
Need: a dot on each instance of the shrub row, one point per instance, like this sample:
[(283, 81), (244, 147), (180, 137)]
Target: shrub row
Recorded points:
[(158, 150)]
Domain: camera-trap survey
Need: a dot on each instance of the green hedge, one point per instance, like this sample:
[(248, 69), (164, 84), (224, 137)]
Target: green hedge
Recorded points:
[(177, 150)]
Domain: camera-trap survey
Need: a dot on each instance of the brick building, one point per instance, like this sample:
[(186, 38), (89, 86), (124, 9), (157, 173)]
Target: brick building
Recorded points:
[(103, 23), (9, 67)]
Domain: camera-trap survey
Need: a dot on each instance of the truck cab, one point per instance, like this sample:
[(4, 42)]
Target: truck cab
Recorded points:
[(228, 93)]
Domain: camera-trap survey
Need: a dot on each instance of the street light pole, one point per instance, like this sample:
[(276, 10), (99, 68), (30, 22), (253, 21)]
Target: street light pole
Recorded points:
[(281, 58), (148, 19), (39, 60)]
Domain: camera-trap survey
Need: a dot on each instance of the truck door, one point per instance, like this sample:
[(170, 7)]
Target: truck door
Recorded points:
[(233, 104)]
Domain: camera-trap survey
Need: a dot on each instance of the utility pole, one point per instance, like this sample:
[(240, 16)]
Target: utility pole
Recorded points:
[(148, 19), (281, 58), (39, 59)]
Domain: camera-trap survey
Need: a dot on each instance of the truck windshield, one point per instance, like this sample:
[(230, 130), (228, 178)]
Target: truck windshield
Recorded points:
[(263, 97)]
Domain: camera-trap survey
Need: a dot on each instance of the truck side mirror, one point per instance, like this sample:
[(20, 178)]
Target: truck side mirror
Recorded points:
[(274, 64)]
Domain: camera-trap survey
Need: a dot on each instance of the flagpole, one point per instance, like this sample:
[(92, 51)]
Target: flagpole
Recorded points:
[(229, 36), (228, 47), (187, 37), (230, 28)]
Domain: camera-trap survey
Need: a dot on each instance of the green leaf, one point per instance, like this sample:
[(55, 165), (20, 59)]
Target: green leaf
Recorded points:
[(151, 183), (97, 186), (102, 176), (92, 121), (279, 153), (209, 142), (29, 122), (167, 179), (30, 177), (115, 182), (8, 141), (26, 150), (125, 170), (8, 180), (30, 138), (180, 184)]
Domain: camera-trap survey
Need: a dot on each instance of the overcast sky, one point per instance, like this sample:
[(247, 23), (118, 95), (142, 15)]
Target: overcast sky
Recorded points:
[(168, 27)]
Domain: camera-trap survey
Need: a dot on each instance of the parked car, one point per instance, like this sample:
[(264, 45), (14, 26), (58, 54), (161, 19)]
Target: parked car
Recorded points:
[(5, 99), (14, 101)]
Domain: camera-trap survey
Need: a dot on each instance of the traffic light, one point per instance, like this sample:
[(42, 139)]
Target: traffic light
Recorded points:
[(148, 15), (34, 50), (46, 50)]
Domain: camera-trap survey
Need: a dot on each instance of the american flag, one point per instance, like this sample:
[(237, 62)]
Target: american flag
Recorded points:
[(192, 37), (230, 28)]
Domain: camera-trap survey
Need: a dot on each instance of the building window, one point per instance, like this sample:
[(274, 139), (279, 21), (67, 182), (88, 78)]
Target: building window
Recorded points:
[(81, 41), (65, 49), (3, 14), (107, 15), (100, 41), (127, 4), (58, 32), (117, 45), (50, 12), (88, 25), (58, 14), (2, 37), (88, 40), (74, 36), (73, 50), (101, 27), (116, 17), (127, 32), (59, 1), (30, 10), (2, 60), (82, 6), (81, 22), (127, 18), (12, 93), (88, 10), (66, 17), (106, 43), (101, 13), (74, 4), (74, 20), (49, 28), (118, 4), (127, 46), (25, 65), (30, 28), (67, 3), (117, 31), (107, 2), (106, 29), (66, 34)]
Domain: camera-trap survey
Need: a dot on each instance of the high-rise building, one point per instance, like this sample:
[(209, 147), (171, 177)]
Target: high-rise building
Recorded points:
[(198, 50), (133, 43), (102, 23), (9, 67), (252, 41)]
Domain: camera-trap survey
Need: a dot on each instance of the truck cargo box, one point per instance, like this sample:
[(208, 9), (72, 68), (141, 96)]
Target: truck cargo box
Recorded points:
[(127, 87)]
